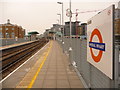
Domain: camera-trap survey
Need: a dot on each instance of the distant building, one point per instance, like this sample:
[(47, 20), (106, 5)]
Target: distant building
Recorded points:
[(73, 27), (117, 21), (117, 13), (33, 35), (83, 29), (9, 30), (48, 34), (77, 29), (56, 30), (117, 24)]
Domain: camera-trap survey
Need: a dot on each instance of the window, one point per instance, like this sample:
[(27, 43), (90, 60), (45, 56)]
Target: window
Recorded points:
[(12, 28), (6, 28), (7, 35), (13, 34), (0, 28), (1, 36)]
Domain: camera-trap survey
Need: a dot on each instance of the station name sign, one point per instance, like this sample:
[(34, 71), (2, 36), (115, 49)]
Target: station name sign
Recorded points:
[(98, 46), (100, 41)]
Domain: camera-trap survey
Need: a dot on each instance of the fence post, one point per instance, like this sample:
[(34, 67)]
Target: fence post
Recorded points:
[(116, 67)]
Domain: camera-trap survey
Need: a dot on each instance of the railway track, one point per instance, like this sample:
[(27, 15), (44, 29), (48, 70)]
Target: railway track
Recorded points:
[(11, 58)]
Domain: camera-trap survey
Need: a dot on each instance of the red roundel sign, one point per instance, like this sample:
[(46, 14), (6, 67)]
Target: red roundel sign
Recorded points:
[(96, 45)]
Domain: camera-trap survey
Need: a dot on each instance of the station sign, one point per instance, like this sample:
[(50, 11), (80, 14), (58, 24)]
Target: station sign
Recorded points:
[(100, 41)]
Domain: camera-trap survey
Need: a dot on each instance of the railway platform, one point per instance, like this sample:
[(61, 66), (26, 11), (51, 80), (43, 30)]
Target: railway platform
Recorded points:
[(48, 68), (14, 45)]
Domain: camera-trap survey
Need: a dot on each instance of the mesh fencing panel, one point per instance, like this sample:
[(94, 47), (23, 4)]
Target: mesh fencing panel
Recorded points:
[(93, 77)]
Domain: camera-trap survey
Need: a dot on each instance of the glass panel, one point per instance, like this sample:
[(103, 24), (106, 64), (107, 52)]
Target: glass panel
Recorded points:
[(6, 29), (7, 35), (12, 28), (1, 35), (13, 34)]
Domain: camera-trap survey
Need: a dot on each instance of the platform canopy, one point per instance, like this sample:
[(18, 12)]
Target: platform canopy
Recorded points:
[(52, 32), (34, 32)]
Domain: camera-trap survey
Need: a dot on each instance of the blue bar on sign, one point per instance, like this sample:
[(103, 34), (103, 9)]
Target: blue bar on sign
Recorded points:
[(98, 46)]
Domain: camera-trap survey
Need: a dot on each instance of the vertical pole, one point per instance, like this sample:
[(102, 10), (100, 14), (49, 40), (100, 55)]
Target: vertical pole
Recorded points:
[(63, 27), (76, 23), (116, 67), (70, 19), (62, 24), (60, 19), (70, 48), (5, 36)]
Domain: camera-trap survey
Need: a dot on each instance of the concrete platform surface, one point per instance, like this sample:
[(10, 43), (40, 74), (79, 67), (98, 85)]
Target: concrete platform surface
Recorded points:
[(50, 70)]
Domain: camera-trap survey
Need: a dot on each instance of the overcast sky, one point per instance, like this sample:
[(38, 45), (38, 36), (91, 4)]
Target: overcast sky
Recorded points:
[(38, 15)]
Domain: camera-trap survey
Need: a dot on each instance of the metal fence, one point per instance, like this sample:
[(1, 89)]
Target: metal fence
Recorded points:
[(92, 77), (4, 42)]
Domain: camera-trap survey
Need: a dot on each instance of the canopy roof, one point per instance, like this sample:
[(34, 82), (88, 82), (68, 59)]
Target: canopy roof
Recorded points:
[(34, 32)]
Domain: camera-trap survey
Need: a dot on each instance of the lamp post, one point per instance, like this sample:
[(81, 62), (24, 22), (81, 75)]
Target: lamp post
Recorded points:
[(5, 36), (62, 24), (70, 48), (57, 21), (62, 12), (60, 18)]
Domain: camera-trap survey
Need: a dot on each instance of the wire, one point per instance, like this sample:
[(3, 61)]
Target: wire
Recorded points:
[(87, 11)]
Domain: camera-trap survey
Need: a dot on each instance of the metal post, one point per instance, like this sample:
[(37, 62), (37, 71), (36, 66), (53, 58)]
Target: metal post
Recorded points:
[(5, 37), (70, 48), (70, 19), (60, 18), (76, 23), (62, 27), (116, 71), (62, 24), (70, 26)]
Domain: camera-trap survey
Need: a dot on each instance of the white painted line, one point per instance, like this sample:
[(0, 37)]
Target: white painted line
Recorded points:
[(22, 64)]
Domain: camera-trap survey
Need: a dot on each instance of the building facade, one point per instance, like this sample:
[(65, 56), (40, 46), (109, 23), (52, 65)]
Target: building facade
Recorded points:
[(55, 30), (83, 29), (117, 21), (117, 24), (77, 29), (74, 26), (9, 30)]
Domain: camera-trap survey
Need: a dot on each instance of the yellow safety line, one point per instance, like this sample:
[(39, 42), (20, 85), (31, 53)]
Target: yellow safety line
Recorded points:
[(35, 76)]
